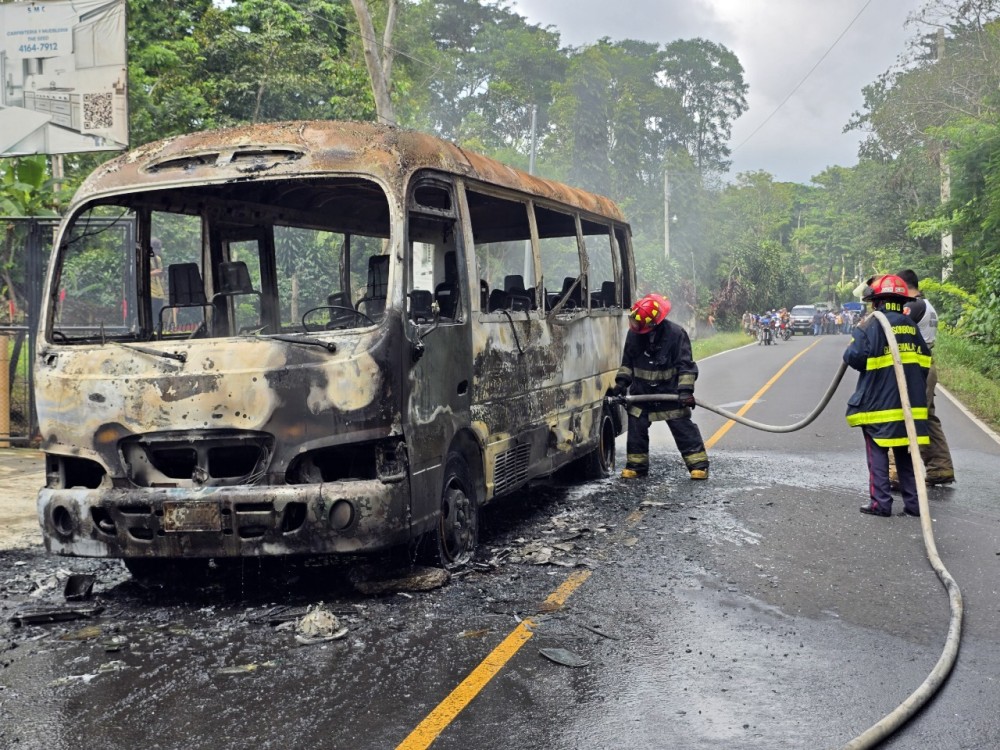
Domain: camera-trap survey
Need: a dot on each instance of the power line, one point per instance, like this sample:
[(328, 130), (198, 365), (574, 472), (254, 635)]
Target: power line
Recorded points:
[(804, 78)]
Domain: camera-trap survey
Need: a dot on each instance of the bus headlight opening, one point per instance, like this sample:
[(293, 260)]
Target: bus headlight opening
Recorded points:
[(62, 521), (341, 515)]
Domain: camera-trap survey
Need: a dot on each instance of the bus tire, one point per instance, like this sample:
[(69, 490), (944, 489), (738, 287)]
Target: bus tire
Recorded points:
[(452, 542), (600, 462)]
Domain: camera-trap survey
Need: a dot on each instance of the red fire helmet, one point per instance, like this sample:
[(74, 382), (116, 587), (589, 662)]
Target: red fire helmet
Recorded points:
[(648, 312), (889, 286)]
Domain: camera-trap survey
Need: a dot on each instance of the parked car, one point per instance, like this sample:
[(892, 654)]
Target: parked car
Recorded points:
[(802, 318)]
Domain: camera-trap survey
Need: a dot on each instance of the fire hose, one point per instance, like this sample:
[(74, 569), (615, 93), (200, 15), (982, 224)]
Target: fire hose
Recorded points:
[(933, 682)]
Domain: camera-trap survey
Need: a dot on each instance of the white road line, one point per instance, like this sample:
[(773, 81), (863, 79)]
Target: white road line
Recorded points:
[(961, 407)]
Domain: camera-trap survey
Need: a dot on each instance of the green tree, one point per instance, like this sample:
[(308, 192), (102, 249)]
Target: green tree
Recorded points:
[(753, 221), (479, 70), (270, 60), (709, 81), (166, 91)]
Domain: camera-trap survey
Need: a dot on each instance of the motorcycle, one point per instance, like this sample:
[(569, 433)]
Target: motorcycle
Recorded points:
[(765, 335), (785, 331)]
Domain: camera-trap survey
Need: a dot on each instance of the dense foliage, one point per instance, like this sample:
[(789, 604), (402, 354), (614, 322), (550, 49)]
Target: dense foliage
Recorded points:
[(620, 117)]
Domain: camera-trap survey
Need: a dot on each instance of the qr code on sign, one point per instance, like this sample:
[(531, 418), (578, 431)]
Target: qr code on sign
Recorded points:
[(97, 112)]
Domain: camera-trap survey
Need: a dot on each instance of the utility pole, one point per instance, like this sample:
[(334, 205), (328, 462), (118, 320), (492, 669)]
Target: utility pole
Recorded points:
[(534, 126), (666, 215), (528, 272), (947, 246)]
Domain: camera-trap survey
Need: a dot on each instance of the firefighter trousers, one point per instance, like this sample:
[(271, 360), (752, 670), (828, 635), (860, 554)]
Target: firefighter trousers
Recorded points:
[(936, 454), (878, 475), (686, 435)]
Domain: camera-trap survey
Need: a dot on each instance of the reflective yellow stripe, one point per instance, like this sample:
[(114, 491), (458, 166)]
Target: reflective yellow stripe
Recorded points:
[(637, 459), (696, 458), (884, 416), (624, 371), (686, 378), (655, 375), (907, 358), (896, 442), (660, 416)]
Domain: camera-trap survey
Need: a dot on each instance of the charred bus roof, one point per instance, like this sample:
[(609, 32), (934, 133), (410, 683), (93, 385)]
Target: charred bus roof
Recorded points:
[(292, 150)]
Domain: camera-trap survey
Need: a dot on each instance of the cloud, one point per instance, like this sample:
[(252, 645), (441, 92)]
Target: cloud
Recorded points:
[(778, 42)]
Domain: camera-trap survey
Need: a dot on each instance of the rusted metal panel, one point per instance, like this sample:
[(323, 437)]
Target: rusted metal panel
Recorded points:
[(543, 386), (318, 148), (253, 385)]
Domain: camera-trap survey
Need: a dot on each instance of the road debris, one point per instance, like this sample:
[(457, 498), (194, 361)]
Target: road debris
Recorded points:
[(563, 657), (83, 634), (318, 625), (599, 630), (79, 586), (371, 581), (44, 585), (54, 613), (71, 679), (474, 633), (245, 668)]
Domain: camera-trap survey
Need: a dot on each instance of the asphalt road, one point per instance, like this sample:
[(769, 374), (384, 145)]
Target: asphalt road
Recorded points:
[(756, 610)]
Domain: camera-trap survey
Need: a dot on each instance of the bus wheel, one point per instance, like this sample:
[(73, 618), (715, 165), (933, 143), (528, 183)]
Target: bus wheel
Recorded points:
[(453, 541), (600, 462)]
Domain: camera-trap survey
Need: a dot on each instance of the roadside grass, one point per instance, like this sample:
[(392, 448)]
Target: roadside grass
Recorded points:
[(969, 371), (719, 342)]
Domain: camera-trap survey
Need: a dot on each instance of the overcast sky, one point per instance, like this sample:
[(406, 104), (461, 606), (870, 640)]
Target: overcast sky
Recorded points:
[(777, 43)]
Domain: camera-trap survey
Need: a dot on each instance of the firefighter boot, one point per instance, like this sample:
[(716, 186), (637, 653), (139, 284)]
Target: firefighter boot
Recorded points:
[(699, 473)]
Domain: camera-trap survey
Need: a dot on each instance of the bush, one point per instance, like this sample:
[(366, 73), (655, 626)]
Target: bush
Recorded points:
[(971, 373), (952, 303)]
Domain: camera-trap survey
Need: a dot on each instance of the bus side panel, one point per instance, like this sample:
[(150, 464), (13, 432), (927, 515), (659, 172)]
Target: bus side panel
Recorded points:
[(537, 398)]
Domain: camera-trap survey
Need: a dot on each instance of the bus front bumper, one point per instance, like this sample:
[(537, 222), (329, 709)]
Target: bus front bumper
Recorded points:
[(226, 522)]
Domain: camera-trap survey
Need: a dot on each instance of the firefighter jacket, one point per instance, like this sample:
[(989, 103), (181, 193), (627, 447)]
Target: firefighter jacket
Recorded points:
[(875, 404), (658, 362)]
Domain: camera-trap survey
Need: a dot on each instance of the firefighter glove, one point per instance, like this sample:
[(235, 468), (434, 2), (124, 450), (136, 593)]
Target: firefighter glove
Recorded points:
[(620, 387), (686, 398)]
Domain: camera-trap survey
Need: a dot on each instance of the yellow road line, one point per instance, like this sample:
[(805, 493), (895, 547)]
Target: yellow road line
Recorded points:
[(746, 407), (445, 712)]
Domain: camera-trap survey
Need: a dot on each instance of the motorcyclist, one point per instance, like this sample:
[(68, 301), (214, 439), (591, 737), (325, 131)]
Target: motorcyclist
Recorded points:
[(657, 360), (766, 330)]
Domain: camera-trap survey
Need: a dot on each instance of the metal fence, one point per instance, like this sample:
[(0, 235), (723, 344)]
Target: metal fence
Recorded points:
[(26, 244)]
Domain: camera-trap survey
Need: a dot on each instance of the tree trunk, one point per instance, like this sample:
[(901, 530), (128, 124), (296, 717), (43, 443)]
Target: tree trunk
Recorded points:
[(379, 72)]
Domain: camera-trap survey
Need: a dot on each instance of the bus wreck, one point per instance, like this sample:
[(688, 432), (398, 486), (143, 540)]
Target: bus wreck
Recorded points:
[(315, 338)]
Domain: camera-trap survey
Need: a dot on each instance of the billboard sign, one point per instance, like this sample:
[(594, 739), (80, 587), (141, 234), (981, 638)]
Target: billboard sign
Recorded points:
[(63, 77)]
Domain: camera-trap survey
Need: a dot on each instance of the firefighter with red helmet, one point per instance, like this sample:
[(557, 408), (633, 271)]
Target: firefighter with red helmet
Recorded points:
[(876, 406), (657, 360)]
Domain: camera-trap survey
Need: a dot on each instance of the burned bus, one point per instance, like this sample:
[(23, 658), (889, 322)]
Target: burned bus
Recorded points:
[(319, 338)]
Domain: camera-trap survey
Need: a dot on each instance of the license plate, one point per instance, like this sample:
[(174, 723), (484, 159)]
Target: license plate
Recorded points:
[(191, 517)]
